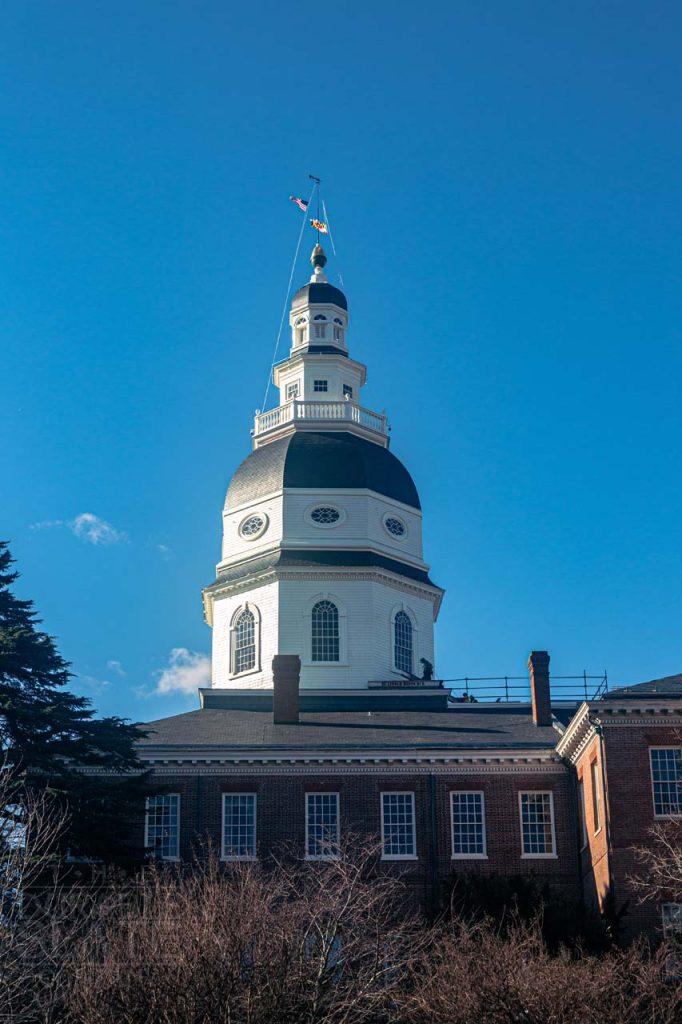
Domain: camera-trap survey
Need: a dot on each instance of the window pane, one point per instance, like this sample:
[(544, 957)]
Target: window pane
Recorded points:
[(239, 825), (666, 775), (468, 825), (322, 824), (536, 823), (163, 825), (402, 643), (348, 390), (596, 806), (671, 914), (319, 385), (398, 824), (245, 642), (325, 632)]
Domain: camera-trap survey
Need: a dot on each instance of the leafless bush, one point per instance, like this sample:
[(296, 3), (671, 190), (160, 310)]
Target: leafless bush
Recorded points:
[(660, 873), (322, 942), (313, 943), (474, 974), (30, 966)]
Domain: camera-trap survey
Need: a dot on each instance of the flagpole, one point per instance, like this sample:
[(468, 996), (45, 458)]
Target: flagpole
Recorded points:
[(318, 182)]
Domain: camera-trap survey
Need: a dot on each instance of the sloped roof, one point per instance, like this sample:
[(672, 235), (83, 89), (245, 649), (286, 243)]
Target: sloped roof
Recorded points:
[(312, 460), (313, 559), (461, 727), (667, 686)]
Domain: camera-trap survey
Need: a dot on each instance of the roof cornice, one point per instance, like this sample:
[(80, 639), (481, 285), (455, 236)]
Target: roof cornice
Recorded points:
[(276, 573), (606, 713), (470, 761)]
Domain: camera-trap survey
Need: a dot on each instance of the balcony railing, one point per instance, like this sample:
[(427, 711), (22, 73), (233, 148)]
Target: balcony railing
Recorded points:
[(298, 409), (503, 689), (513, 689)]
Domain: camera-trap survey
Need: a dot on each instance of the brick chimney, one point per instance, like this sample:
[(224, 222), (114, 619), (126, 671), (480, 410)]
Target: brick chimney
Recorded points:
[(538, 666), (286, 674)]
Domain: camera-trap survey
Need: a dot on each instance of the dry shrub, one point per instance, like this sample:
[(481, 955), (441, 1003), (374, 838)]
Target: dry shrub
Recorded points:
[(41, 914), (291, 943), (660, 861), (475, 975), (322, 942)]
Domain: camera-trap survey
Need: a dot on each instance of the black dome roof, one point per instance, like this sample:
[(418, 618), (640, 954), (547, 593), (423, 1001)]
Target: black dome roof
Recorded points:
[(326, 460), (321, 293)]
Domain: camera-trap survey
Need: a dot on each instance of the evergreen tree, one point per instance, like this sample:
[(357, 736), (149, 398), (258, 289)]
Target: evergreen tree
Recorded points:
[(52, 741)]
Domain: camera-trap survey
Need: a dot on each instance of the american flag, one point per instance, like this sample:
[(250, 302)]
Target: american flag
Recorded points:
[(301, 203)]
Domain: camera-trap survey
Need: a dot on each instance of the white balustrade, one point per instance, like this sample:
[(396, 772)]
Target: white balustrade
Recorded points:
[(298, 409)]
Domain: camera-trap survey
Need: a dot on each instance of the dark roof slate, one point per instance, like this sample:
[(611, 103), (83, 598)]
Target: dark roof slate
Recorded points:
[(322, 294), (464, 726), (667, 686), (312, 459), (312, 559)]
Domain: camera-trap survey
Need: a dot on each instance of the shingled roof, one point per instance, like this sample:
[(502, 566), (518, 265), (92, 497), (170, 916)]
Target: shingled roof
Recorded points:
[(461, 727), (667, 686)]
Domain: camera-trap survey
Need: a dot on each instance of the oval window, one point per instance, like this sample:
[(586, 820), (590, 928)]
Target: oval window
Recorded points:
[(396, 527), (253, 526), (325, 515)]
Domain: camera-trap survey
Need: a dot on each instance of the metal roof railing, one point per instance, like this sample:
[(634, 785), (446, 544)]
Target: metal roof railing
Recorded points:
[(516, 689)]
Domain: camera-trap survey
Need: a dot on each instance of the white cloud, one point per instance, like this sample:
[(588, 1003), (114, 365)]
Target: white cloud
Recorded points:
[(165, 551), (186, 670), (116, 667), (87, 527), (91, 528), (47, 524)]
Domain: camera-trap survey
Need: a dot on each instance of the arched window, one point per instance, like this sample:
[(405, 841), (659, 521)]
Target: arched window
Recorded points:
[(402, 642), (244, 640), (325, 631)]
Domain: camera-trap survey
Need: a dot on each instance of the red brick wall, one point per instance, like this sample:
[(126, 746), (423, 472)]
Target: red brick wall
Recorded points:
[(281, 817), (594, 856), (628, 780)]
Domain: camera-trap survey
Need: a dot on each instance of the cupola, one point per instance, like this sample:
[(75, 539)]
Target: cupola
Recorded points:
[(319, 310)]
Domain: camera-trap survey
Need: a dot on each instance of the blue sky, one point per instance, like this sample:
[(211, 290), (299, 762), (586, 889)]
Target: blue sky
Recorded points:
[(504, 184)]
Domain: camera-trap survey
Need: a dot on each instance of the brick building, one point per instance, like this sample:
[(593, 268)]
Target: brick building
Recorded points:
[(324, 720)]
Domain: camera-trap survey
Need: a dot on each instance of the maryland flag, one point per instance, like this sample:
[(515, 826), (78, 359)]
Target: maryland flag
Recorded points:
[(320, 226)]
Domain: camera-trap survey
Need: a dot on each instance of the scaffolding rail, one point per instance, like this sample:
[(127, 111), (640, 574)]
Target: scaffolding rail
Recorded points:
[(516, 689)]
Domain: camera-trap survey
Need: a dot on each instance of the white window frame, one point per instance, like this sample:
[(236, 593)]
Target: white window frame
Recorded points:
[(394, 515), (253, 536), (175, 857), (242, 857), (320, 330), (337, 840), (467, 856), (343, 631), (338, 333), (247, 606), (348, 391), (415, 639), (399, 856), (658, 815), (308, 515), (292, 390), (538, 856), (595, 786), (300, 328)]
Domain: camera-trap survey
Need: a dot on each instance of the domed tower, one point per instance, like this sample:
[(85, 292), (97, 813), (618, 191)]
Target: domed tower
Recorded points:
[(322, 527)]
